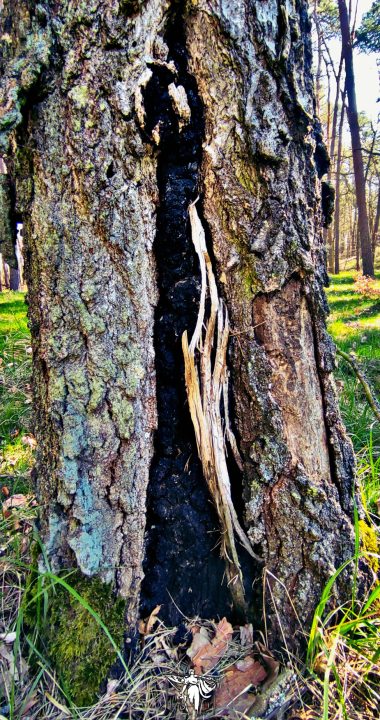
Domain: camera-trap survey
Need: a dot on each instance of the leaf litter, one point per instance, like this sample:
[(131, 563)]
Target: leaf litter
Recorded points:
[(242, 668)]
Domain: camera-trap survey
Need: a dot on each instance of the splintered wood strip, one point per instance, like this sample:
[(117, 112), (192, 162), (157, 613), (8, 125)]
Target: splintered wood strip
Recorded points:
[(207, 391), (199, 241)]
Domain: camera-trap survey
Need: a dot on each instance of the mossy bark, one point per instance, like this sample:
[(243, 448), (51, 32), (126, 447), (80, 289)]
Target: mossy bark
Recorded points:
[(95, 97)]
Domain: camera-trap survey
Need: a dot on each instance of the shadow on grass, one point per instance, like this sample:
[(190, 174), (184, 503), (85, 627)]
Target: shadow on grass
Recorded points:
[(343, 279), (13, 307), (348, 303)]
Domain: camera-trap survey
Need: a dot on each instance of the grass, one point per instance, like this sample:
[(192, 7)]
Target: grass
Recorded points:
[(354, 324), (16, 455), (344, 642)]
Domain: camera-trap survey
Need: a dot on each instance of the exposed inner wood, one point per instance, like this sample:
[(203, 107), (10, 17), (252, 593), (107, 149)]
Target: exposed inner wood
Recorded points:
[(207, 391)]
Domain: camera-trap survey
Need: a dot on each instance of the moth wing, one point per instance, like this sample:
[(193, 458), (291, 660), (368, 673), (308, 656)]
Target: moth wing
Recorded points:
[(175, 679), (206, 687)]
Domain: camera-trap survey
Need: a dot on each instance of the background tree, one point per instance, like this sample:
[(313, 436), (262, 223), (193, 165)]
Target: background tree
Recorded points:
[(115, 117), (367, 37), (326, 19), (352, 114)]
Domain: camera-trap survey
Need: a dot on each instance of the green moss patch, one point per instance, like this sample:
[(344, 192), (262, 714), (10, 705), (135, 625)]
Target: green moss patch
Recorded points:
[(78, 647)]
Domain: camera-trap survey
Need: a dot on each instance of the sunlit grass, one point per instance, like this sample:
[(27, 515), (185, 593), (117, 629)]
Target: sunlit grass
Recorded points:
[(16, 456), (354, 324)]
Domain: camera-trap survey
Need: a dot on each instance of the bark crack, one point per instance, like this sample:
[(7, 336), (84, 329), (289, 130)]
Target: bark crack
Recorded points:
[(182, 559)]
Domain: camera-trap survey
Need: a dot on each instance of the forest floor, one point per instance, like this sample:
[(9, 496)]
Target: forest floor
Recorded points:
[(354, 323)]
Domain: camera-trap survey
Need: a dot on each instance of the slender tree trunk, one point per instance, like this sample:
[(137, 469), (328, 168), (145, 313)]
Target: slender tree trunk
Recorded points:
[(319, 60), (6, 275), (14, 279), (352, 114), (357, 249), (328, 125), (330, 237), (337, 189), (135, 118), (377, 220)]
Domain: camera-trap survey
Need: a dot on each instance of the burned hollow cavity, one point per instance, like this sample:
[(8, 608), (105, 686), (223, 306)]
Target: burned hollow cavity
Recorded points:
[(183, 568)]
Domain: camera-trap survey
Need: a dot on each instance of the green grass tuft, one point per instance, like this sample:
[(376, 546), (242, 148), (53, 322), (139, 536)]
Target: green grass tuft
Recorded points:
[(354, 324), (16, 457)]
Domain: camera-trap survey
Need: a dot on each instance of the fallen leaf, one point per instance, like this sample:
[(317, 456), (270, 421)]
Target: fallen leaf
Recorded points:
[(245, 663), (112, 685), (8, 638), (208, 656), (29, 440), (145, 626), (238, 682), (14, 501), (5, 490), (271, 665), (201, 638)]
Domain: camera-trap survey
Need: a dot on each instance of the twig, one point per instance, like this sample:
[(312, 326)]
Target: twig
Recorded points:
[(372, 401)]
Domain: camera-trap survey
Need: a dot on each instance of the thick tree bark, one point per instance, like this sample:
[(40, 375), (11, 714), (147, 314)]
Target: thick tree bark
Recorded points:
[(352, 115), (133, 110)]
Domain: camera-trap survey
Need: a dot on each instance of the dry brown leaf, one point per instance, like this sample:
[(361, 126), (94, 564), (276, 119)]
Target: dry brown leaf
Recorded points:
[(208, 656), (29, 440), (201, 638), (112, 684), (14, 501), (272, 665), (237, 681), (18, 502), (8, 638), (245, 663), (145, 626)]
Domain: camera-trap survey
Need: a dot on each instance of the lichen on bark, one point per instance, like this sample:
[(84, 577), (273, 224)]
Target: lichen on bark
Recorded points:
[(114, 158), (261, 203)]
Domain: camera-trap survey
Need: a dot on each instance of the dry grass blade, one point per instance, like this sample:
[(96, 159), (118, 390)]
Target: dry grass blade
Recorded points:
[(207, 391)]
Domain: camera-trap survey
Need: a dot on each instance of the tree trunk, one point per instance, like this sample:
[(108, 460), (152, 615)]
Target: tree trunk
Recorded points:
[(352, 115), (337, 189), (6, 275), (376, 224), (131, 118), (14, 279), (319, 59), (330, 238)]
